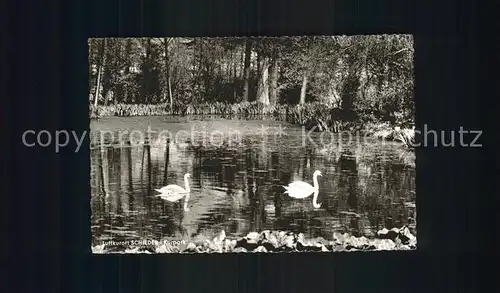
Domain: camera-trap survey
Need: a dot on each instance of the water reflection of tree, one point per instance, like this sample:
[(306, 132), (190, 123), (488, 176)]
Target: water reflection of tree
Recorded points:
[(209, 172), (147, 148), (121, 194), (98, 196), (369, 184), (254, 215), (169, 215), (101, 172), (130, 187), (348, 184), (104, 169), (275, 159), (113, 192), (384, 200), (348, 163), (166, 159)]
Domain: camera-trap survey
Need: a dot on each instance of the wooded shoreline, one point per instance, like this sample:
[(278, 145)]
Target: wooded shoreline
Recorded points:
[(337, 79)]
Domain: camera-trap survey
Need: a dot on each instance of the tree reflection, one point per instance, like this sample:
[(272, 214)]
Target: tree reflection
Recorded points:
[(239, 189)]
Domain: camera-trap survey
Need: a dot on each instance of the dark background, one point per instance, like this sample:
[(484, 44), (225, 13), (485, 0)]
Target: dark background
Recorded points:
[(47, 244)]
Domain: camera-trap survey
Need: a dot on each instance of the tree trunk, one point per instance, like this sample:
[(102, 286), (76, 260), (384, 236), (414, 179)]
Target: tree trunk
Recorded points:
[(303, 90), (248, 52), (273, 79), (241, 65), (101, 69), (235, 82), (228, 67), (128, 52), (166, 42), (171, 97), (259, 57), (146, 75), (91, 62), (263, 86), (256, 77), (118, 86)]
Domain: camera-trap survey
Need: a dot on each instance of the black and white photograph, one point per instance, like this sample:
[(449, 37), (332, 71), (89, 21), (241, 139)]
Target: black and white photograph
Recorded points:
[(252, 144)]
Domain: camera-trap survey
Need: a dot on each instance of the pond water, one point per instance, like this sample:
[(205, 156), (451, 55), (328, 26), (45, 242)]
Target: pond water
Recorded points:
[(236, 179)]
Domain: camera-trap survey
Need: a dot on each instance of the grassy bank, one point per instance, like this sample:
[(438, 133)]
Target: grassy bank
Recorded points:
[(277, 241), (387, 132), (312, 115), (215, 108)]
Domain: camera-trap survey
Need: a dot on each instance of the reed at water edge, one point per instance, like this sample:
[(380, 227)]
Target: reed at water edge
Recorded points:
[(315, 115)]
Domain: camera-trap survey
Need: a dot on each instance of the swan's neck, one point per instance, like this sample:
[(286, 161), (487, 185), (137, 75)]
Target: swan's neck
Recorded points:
[(186, 183), (186, 200), (315, 182), (315, 200)]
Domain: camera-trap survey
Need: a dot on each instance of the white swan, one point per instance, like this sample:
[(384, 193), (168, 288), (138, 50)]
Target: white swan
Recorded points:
[(301, 189), (174, 192)]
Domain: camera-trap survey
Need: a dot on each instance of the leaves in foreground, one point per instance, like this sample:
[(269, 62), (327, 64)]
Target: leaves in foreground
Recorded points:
[(277, 241)]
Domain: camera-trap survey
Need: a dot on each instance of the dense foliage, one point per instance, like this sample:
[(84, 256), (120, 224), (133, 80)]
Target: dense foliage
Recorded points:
[(356, 78)]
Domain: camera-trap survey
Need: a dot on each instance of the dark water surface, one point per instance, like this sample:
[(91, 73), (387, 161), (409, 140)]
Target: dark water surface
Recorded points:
[(238, 187)]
